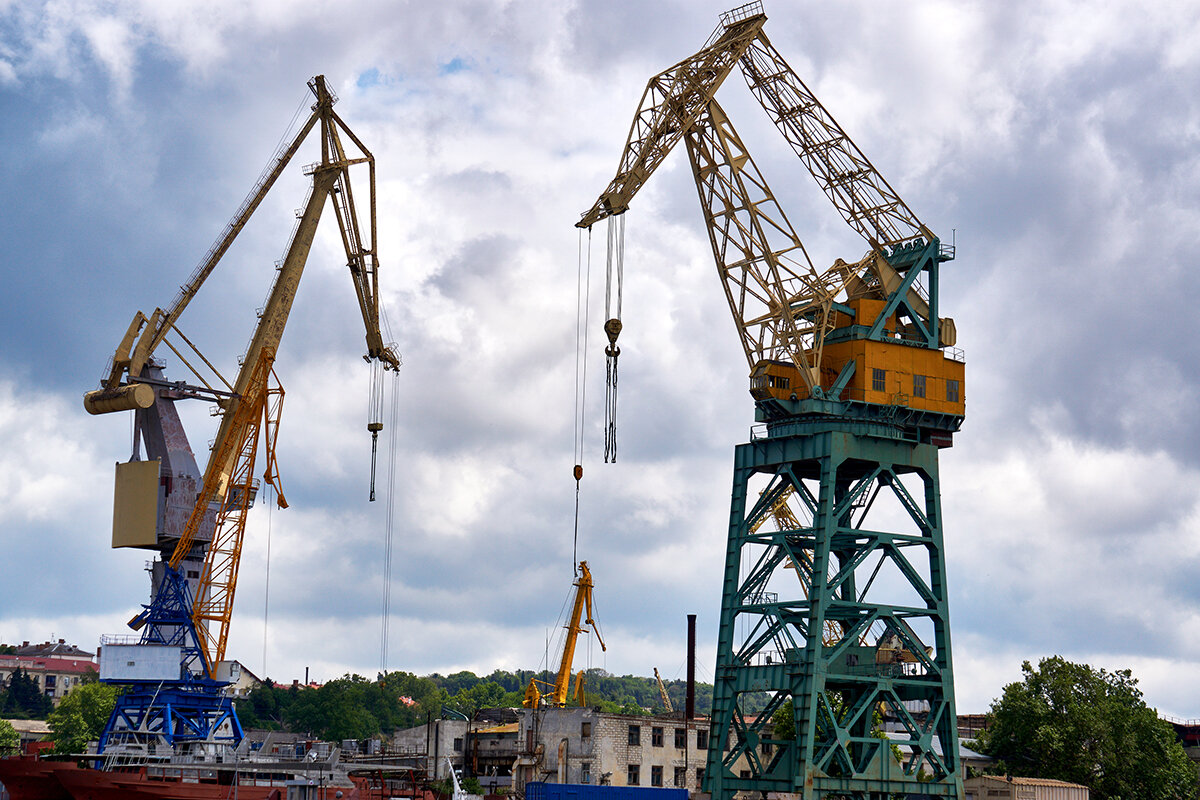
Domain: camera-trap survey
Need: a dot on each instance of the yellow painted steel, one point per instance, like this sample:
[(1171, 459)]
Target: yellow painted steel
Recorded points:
[(252, 407), (559, 690), (135, 504)]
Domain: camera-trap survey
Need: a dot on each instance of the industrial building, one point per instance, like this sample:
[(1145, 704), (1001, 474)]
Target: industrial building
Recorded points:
[(589, 746)]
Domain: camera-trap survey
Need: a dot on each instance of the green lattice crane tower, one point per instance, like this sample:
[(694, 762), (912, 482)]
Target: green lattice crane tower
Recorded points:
[(857, 385)]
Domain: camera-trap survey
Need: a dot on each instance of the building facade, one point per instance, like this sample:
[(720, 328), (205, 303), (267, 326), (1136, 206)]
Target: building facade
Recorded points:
[(56, 667), (588, 746)]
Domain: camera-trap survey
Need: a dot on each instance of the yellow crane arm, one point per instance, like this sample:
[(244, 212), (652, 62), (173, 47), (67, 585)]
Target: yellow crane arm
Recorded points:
[(560, 690), (662, 692), (670, 105), (228, 485)]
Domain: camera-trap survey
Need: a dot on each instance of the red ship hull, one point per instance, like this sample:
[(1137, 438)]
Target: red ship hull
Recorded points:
[(89, 784), (32, 778)]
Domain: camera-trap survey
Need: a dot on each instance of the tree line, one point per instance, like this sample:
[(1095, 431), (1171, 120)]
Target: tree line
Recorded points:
[(1063, 720)]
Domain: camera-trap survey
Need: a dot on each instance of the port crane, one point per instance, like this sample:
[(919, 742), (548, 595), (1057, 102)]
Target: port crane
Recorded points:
[(556, 693), (857, 384), (197, 522)]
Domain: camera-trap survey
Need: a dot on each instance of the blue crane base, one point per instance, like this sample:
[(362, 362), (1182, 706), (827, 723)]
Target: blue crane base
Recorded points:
[(837, 621), (188, 714), (181, 718)]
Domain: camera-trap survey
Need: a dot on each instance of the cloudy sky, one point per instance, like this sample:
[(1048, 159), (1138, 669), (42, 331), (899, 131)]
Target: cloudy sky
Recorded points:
[(1057, 144)]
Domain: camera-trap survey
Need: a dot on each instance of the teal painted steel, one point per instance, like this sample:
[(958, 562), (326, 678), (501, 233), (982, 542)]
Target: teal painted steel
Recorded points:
[(869, 558)]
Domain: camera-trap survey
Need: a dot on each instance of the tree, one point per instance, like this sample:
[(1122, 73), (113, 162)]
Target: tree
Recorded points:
[(1075, 723), (10, 740), (24, 699), (81, 716)]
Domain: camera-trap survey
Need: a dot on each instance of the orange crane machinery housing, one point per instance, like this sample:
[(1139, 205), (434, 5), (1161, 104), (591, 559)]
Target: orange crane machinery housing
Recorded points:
[(197, 523), (558, 692), (857, 385)]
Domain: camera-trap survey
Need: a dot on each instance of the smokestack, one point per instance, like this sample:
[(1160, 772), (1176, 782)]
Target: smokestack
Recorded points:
[(690, 706)]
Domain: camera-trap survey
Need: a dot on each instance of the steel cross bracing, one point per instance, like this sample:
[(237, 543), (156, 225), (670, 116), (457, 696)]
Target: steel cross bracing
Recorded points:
[(783, 306), (836, 687)]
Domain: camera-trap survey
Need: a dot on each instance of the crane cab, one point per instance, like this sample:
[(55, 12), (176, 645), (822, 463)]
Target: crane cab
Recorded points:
[(897, 370)]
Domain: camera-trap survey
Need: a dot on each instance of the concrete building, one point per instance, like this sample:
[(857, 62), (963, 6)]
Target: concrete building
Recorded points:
[(427, 747), (585, 745), (998, 787), (483, 747), (56, 667)]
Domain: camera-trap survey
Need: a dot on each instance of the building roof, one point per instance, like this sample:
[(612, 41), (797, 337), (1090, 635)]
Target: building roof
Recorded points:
[(79, 666), (511, 727), (59, 649), (31, 727), (1021, 781), (964, 752)]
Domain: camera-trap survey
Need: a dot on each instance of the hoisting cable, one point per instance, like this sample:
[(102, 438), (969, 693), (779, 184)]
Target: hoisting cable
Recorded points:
[(583, 273), (394, 420), (612, 327), (267, 582), (375, 415)]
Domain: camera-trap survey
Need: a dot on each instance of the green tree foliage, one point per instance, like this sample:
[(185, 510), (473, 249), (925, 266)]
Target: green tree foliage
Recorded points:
[(23, 699), (10, 740), (266, 706), (81, 716), (1075, 723), (353, 707)]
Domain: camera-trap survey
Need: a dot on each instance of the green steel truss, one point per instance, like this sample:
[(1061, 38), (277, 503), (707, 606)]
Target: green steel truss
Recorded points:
[(868, 556)]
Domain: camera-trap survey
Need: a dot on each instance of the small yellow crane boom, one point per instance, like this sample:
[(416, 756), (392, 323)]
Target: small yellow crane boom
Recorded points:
[(559, 690), (662, 691)]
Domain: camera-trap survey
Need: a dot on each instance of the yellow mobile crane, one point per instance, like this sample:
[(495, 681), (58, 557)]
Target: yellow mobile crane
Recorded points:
[(191, 609), (558, 691)]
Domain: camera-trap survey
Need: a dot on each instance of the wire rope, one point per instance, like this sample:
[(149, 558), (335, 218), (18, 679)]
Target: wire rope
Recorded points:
[(267, 580), (389, 517), (583, 276)]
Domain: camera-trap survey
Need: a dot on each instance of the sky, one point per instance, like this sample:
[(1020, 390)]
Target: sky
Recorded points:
[(1057, 144)]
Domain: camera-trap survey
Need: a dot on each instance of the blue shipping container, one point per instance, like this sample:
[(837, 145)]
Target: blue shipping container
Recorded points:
[(583, 791)]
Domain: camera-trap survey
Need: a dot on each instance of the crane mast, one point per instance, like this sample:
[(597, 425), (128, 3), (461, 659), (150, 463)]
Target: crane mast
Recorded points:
[(559, 690), (857, 385), (192, 605)]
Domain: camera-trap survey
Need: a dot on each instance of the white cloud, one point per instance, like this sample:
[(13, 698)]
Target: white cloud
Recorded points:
[(1058, 143)]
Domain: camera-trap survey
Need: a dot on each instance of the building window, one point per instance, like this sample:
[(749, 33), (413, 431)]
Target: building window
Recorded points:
[(878, 380), (585, 729), (656, 737), (767, 748), (458, 744), (585, 770), (50, 681), (951, 391), (700, 778), (680, 776), (745, 773), (633, 775), (918, 385), (681, 741), (635, 735), (701, 740), (656, 775)]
